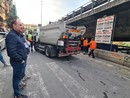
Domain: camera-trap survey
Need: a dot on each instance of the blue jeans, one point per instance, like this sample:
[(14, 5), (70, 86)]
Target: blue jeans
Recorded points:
[(24, 69), (1, 58), (17, 76)]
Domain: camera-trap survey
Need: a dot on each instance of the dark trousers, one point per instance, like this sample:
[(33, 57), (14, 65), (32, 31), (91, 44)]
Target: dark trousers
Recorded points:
[(91, 53), (85, 49), (17, 76), (31, 44), (24, 69)]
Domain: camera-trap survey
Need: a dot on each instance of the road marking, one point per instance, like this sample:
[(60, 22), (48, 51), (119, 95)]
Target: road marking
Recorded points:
[(69, 82), (104, 63), (37, 81)]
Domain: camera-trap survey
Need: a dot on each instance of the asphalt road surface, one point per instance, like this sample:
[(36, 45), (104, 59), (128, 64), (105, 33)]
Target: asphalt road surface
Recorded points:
[(78, 76)]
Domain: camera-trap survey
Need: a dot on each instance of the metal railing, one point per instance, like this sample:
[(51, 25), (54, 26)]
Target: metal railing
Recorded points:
[(84, 8)]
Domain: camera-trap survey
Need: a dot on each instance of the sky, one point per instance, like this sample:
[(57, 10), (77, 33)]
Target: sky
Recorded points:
[(29, 11)]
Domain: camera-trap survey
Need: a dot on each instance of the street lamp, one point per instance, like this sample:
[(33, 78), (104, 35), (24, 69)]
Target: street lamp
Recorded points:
[(92, 4), (41, 12)]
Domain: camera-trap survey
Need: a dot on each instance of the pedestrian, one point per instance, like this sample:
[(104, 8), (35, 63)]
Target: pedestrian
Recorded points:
[(23, 36), (3, 61), (35, 35), (81, 43), (30, 39), (2, 30), (27, 44), (93, 46), (17, 52), (85, 45)]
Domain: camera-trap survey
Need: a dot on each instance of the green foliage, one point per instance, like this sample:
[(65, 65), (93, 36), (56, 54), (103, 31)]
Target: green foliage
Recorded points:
[(126, 44)]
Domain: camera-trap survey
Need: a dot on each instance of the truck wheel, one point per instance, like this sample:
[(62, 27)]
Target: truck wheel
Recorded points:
[(47, 52)]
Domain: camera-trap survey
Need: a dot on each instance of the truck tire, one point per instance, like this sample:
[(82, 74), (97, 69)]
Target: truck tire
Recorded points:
[(47, 51)]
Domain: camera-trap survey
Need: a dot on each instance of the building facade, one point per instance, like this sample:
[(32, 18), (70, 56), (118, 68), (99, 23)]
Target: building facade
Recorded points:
[(7, 9), (3, 9)]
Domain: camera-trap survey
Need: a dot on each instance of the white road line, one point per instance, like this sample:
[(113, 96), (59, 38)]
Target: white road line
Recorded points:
[(36, 84), (69, 82), (104, 63)]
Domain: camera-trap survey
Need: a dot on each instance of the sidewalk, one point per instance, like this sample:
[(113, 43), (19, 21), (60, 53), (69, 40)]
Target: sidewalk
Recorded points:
[(6, 83), (5, 78), (34, 85)]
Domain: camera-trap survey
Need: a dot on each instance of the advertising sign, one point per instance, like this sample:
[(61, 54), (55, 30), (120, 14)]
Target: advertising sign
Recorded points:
[(104, 29)]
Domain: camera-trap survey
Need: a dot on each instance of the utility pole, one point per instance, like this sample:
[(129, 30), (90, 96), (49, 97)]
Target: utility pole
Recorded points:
[(41, 12), (92, 4)]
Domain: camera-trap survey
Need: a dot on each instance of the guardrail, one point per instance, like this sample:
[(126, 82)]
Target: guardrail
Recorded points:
[(124, 49), (116, 57), (85, 8)]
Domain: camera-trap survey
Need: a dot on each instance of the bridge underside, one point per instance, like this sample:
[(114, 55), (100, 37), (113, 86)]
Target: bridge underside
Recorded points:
[(122, 23)]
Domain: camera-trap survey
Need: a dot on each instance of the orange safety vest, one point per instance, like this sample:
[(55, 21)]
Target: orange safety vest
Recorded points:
[(93, 45), (85, 42)]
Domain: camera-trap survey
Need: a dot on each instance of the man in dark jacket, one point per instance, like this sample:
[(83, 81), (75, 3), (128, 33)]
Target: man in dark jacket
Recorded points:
[(17, 52)]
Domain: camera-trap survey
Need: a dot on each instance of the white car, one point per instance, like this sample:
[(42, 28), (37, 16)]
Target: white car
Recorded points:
[(2, 40)]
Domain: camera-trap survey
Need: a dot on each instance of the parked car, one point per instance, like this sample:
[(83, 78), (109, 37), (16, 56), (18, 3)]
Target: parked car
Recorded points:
[(2, 40)]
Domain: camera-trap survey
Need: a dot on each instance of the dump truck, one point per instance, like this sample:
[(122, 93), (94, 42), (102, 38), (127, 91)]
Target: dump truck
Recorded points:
[(58, 39)]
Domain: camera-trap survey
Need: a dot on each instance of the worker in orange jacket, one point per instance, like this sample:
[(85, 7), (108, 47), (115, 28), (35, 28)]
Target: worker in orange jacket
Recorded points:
[(93, 46), (85, 45)]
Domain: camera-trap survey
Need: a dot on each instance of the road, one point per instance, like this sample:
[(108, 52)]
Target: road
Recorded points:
[(76, 77)]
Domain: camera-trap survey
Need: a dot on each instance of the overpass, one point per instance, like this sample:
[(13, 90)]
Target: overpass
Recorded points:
[(88, 14)]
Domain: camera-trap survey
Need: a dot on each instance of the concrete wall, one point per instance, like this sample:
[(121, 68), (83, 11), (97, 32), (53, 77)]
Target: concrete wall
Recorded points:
[(115, 57)]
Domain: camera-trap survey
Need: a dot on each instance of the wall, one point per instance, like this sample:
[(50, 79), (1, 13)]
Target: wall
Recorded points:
[(115, 57)]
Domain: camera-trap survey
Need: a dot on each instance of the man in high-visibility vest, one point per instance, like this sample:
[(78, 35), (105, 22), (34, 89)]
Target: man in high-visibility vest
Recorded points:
[(85, 45), (30, 39), (93, 46)]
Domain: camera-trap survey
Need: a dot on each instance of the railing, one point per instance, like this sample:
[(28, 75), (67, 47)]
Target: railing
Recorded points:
[(124, 49), (84, 8)]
